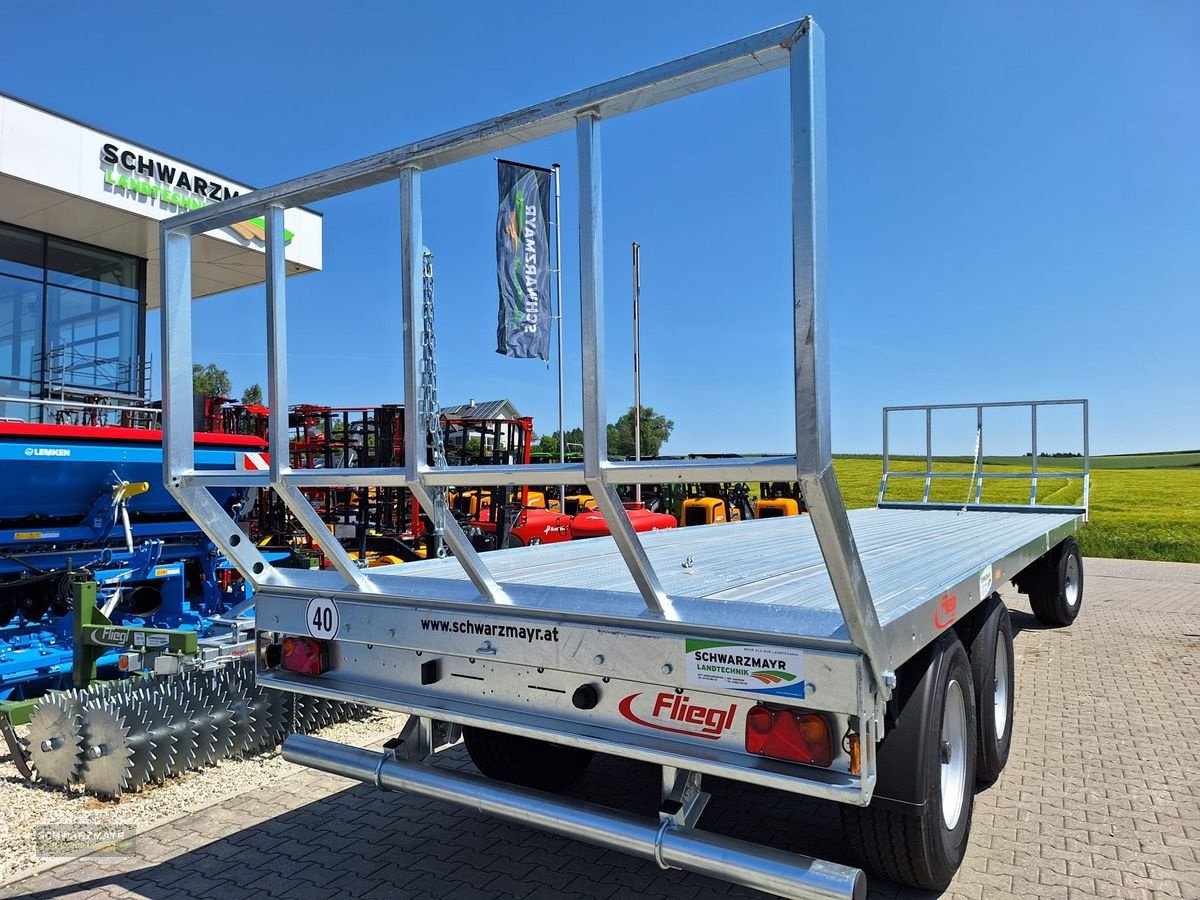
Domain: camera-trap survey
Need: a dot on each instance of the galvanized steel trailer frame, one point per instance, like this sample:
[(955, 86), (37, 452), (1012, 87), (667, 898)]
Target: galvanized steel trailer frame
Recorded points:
[(625, 636)]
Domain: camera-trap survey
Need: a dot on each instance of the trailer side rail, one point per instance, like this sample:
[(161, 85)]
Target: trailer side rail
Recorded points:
[(978, 473)]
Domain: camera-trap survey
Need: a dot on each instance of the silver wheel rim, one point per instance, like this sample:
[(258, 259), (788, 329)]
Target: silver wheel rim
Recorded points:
[(1000, 694), (954, 755), (1071, 588)]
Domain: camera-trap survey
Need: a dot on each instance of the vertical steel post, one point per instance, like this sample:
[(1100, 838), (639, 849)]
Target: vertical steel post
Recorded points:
[(1086, 462), (178, 408), (637, 362), (1034, 456), (412, 294), (883, 479), (562, 440), (176, 323), (814, 461), (595, 428), (277, 400), (277, 419), (928, 453)]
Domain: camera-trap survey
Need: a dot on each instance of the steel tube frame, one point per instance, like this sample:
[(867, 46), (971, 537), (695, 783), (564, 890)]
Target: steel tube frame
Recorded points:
[(779, 872), (1033, 475), (800, 47)]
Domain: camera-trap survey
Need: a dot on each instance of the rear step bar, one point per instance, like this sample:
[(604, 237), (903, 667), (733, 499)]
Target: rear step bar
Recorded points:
[(741, 862)]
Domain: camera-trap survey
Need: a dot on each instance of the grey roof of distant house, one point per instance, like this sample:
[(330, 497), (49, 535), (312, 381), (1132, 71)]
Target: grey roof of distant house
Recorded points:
[(487, 409)]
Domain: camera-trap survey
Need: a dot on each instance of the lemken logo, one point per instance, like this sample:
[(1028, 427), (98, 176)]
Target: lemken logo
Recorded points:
[(676, 713), (47, 451)]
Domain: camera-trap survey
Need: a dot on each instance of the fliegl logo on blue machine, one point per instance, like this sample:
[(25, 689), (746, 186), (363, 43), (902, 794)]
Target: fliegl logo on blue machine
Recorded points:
[(745, 667)]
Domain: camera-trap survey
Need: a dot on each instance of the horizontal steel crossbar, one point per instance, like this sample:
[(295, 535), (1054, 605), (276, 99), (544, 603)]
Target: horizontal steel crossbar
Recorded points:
[(692, 74), (995, 405), (1025, 475)]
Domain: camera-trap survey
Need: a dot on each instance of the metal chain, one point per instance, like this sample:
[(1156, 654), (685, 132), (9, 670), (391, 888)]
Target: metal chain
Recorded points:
[(430, 411), (976, 468)]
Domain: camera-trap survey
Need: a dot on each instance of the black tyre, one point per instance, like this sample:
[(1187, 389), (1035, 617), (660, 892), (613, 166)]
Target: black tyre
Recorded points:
[(1057, 596), (525, 761), (922, 844), (993, 672)]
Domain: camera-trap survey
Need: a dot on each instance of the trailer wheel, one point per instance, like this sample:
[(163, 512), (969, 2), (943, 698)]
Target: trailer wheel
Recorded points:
[(922, 844), (525, 761), (992, 671), (1057, 597)]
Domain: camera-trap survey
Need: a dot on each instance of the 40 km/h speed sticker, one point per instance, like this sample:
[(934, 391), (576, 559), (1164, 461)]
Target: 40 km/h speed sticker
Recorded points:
[(322, 617)]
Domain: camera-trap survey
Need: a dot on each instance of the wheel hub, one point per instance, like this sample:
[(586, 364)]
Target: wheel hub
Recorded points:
[(953, 755), (1001, 687), (1071, 579)]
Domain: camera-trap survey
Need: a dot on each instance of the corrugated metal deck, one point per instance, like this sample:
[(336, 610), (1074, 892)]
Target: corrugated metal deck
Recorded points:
[(762, 574)]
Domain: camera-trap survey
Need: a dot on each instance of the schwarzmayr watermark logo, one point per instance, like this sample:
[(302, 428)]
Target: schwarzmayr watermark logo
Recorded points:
[(171, 185), (77, 839)]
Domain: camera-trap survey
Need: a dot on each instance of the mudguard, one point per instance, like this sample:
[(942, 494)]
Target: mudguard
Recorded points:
[(902, 780)]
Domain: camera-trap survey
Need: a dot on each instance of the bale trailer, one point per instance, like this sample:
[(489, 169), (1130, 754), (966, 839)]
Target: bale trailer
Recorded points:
[(862, 657)]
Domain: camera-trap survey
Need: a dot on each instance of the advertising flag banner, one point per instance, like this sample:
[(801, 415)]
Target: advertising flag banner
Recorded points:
[(523, 262)]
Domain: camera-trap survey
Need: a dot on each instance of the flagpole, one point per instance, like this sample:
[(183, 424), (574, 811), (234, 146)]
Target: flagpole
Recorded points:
[(637, 363), (562, 446)]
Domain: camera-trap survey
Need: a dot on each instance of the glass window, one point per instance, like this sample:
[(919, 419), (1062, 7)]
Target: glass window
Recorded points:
[(20, 326), (16, 412), (91, 341), (20, 253), (91, 269)]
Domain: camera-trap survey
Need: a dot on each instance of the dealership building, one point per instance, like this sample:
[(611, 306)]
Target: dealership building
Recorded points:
[(79, 257)]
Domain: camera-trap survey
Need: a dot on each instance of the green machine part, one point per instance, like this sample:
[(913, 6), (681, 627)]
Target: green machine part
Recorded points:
[(95, 635)]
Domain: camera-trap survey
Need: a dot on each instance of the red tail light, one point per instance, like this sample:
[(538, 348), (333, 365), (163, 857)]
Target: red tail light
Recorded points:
[(789, 734), (304, 656)]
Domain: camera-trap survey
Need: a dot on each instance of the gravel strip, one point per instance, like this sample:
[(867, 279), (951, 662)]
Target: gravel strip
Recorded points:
[(25, 807)]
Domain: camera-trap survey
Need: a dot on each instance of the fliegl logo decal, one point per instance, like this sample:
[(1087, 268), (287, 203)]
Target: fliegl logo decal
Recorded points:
[(745, 667), (946, 611), (677, 713)]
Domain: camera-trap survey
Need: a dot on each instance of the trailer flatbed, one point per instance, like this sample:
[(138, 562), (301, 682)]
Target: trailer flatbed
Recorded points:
[(765, 575), (861, 657)]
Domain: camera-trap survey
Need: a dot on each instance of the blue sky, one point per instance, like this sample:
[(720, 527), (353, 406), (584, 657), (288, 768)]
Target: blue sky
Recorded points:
[(1014, 198)]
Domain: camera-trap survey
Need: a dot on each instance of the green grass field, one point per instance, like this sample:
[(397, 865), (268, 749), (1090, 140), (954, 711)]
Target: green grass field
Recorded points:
[(1145, 506)]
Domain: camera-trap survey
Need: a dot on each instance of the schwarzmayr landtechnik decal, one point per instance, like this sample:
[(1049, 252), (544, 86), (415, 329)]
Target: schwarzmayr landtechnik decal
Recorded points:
[(745, 667), (173, 185), (170, 184)]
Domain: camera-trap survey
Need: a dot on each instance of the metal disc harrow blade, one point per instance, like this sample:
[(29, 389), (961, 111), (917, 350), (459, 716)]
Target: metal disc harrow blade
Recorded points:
[(175, 706), (108, 758), (56, 740), (116, 737)]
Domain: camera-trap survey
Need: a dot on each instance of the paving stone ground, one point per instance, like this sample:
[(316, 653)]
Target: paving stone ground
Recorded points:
[(1101, 797)]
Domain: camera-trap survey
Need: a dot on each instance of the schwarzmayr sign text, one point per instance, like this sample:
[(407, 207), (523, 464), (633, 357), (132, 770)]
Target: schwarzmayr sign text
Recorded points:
[(166, 182)]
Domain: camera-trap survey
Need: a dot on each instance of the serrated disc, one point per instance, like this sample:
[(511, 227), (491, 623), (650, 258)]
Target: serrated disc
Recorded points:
[(55, 746), (106, 754), (199, 720), (242, 718), (143, 760), (222, 718), (311, 715), (258, 708), (148, 701), (179, 720)]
